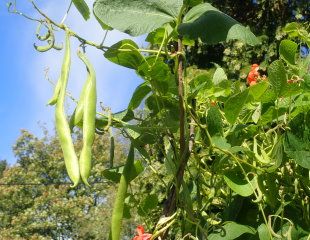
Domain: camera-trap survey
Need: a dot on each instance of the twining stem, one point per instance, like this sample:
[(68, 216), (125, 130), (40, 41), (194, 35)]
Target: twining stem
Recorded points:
[(181, 99), (83, 40), (183, 152)]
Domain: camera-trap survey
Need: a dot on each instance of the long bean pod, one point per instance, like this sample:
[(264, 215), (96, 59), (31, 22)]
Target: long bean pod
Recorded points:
[(118, 208), (38, 34), (62, 126), (77, 116), (89, 119), (54, 98)]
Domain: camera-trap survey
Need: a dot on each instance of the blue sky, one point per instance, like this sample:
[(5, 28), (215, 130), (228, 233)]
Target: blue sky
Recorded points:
[(24, 89)]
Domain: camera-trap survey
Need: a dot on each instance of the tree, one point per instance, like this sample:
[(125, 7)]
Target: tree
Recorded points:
[(3, 166), (36, 201)]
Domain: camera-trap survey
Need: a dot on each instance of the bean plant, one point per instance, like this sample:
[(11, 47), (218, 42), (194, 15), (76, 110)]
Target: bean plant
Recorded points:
[(214, 158)]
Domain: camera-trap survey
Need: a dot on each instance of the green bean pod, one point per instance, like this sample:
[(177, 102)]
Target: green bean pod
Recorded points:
[(62, 126), (89, 119), (58, 47), (42, 37), (51, 42), (77, 116), (117, 213), (54, 98)]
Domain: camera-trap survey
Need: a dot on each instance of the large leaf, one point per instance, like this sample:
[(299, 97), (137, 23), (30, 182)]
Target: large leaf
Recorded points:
[(125, 53), (82, 8), (277, 76), (137, 17), (231, 231), (139, 94), (234, 105), (297, 149), (237, 182), (213, 26), (288, 51)]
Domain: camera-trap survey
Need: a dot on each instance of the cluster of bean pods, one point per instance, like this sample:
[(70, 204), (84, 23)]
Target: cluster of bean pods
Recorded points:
[(83, 116)]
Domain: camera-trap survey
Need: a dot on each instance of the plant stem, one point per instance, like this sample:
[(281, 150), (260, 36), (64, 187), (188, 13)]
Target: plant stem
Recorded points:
[(183, 152), (84, 41)]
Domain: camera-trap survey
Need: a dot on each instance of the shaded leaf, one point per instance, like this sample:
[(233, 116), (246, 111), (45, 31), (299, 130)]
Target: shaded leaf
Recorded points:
[(148, 204), (297, 149), (213, 26)]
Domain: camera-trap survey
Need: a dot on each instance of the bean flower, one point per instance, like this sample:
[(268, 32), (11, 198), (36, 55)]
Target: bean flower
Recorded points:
[(253, 75), (141, 235)]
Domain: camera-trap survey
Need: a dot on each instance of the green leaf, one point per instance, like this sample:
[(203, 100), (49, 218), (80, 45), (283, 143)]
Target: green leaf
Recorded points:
[(158, 74), (139, 94), (125, 53), (137, 17), (292, 29), (231, 230), (271, 115), (219, 76), (276, 155), (220, 142), (82, 7), (213, 26), (288, 51), (192, 3), (277, 76), (234, 105), (297, 149), (263, 232), (148, 204), (114, 174), (214, 121), (258, 90), (237, 182), (157, 36)]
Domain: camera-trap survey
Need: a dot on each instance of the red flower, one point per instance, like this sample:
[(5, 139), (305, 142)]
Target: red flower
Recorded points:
[(141, 234), (253, 74)]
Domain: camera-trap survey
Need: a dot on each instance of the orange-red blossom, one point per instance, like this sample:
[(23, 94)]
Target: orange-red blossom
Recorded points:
[(141, 235), (253, 75)]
